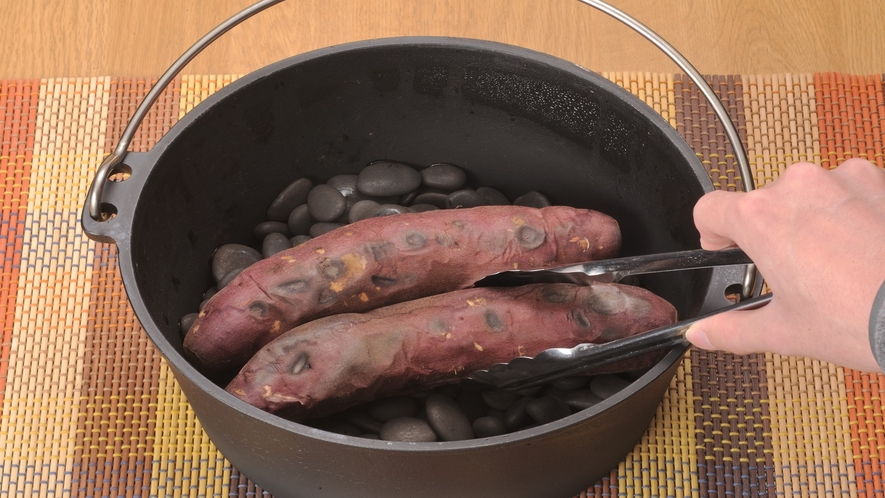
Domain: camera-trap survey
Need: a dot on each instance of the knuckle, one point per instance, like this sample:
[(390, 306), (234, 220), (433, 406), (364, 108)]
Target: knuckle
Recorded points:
[(756, 205), (802, 172), (859, 171), (856, 164)]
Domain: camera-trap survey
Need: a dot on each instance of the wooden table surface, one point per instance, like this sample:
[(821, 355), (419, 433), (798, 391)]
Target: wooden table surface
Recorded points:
[(51, 38), (87, 408)]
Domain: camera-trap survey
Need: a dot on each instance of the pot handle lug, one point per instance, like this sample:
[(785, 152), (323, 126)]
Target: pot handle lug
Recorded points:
[(112, 162), (123, 182), (725, 280)]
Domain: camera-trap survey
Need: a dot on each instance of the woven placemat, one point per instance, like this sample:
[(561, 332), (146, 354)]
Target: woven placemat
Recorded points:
[(90, 409)]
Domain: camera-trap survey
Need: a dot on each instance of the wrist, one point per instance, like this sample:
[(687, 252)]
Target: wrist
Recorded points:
[(877, 327)]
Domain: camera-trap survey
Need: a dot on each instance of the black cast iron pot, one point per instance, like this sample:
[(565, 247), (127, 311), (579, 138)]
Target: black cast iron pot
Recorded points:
[(515, 120)]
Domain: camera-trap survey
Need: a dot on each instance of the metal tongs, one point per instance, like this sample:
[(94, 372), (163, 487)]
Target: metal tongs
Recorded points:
[(551, 364)]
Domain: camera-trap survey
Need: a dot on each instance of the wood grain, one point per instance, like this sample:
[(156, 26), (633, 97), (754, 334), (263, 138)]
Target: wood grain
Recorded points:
[(50, 38)]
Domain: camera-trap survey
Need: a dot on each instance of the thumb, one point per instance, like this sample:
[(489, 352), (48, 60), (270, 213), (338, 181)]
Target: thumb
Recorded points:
[(739, 332)]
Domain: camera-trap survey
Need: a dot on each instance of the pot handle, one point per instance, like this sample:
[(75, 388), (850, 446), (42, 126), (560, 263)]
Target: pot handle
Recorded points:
[(749, 281), (112, 163)]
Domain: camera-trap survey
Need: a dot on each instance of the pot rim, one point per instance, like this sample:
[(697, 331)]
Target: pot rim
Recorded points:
[(180, 364)]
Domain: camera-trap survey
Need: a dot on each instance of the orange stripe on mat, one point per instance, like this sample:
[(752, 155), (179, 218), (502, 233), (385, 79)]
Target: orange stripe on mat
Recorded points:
[(850, 121), (867, 432), (18, 118), (850, 117)]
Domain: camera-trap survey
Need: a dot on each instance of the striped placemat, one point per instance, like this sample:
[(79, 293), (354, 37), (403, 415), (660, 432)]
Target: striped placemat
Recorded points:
[(88, 408)]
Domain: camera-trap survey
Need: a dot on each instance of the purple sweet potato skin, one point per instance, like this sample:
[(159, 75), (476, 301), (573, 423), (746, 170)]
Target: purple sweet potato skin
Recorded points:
[(381, 261), (340, 361)]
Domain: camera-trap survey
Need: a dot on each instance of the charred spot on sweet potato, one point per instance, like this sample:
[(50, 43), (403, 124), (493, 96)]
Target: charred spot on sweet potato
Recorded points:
[(382, 251), (577, 316), (332, 268), (380, 281), (258, 308), (301, 363), (327, 296), (439, 326), (444, 239), (297, 286), (529, 237), (555, 295), (415, 239), (494, 321)]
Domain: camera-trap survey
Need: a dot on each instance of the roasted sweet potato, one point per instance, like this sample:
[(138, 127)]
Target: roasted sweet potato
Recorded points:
[(380, 261), (336, 362)]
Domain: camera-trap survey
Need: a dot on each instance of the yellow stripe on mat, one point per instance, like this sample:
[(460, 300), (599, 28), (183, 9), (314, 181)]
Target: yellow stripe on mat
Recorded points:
[(179, 441), (781, 123), (196, 88), (39, 421)]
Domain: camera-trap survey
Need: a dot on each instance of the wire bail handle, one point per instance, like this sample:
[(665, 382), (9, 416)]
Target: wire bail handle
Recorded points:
[(110, 163)]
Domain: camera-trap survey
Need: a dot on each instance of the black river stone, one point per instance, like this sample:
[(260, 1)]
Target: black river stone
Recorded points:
[(532, 199), (409, 429), (390, 209), (300, 220), (606, 386), (318, 229), (186, 322), (516, 417), (444, 176), (299, 239), (547, 409), (230, 257), (388, 178), (464, 199), (488, 427), (325, 203), (447, 419), (499, 399), (493, 197), (274, 243), (579, 399), (346, 184), (362, 210), (570, 383), (291, 197), (265, 228)]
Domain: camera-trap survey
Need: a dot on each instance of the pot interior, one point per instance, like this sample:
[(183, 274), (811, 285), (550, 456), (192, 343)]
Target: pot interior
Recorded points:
[(514, 119)]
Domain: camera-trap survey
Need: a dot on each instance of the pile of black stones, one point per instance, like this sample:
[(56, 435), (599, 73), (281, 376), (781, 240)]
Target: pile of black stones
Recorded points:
[(470, 410), (304, 210)]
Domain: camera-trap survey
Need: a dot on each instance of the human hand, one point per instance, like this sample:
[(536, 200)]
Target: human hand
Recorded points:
[(818, 238)]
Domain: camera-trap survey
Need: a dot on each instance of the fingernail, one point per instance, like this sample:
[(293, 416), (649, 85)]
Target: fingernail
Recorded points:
[(699, 338)]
